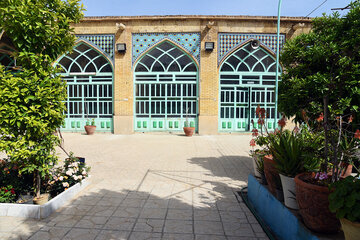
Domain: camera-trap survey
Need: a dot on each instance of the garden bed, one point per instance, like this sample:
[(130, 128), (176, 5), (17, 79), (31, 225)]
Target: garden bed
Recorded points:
[(42, 211)]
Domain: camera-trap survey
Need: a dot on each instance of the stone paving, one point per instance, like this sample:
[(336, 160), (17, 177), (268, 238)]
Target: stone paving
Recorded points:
[(152, 186)]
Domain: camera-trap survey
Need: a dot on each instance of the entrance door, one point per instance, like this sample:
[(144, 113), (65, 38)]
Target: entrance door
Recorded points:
[(89, 77), (247, 80), (166, 90)]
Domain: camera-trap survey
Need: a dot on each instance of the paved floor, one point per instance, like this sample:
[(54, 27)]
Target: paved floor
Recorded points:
[(146, 186)]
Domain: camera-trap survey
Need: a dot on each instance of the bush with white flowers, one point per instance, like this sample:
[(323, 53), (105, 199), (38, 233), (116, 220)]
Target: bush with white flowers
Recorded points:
[(63, 177)]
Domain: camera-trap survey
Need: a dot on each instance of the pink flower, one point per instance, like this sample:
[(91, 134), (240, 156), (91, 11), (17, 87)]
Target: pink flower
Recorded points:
[(252, 143), (61, 178)]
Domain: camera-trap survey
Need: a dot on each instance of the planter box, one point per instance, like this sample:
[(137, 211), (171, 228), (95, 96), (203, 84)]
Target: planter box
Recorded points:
[(281, 220), (42, 211)]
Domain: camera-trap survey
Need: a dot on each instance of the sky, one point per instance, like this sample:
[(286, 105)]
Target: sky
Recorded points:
[(210, 7)]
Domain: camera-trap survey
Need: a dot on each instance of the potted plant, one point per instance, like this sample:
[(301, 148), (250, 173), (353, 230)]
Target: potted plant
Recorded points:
[(90, 127), (345, 202), (262, 139), (258, 161), (292, 156), (188, 130)]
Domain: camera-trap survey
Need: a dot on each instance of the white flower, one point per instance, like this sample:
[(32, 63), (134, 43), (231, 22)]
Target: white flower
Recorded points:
[(69, 172), (83, 172), (61, 178), (79, 177), (65, 184), (75, 177)]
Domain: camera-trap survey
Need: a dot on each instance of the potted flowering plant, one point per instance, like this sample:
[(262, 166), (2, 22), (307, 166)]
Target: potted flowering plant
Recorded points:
[(262, 138), (188, 130), (90, 127), (345, 202), (312, 188)]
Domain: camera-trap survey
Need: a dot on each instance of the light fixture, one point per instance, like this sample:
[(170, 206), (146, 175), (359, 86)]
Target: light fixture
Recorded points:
[(121, 47), (209, 46)]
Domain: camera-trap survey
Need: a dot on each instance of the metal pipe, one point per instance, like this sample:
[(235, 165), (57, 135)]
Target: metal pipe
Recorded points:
[(277, 63)]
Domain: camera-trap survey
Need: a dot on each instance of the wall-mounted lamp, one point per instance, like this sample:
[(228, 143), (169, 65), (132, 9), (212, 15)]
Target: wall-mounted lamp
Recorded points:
[(121, 47), (209, 46)]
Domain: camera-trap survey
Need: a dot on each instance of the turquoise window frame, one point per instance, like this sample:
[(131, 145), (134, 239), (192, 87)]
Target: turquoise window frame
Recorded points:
[(248, 85), (166, 123)]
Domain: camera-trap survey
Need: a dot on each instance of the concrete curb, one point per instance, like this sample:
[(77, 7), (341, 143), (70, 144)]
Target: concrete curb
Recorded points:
[(42, 211), (280, 219)]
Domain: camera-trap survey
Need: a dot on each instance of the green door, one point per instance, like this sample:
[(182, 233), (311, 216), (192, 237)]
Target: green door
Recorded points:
[(89, 77), (165, 90), (247, 80)]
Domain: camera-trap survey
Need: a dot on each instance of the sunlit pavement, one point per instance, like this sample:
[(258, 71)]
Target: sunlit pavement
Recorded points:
[(152, 186)]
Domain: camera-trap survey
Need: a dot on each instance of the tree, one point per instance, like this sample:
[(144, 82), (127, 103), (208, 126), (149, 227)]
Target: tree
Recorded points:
[(323, 67), (322, 74), (32, 100)]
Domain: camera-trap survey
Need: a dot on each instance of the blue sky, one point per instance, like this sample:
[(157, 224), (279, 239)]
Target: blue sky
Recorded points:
[(209, 7)]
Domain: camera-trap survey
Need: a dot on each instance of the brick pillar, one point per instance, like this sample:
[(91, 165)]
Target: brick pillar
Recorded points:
[(209, 83)]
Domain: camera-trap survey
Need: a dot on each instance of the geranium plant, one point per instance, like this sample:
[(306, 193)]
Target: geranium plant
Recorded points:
[(7, 194)]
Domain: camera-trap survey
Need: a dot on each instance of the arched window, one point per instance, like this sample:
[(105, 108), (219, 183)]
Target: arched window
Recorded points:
[(89, 77), (84, 59), (247, 80), (166, 58), (166, 89)]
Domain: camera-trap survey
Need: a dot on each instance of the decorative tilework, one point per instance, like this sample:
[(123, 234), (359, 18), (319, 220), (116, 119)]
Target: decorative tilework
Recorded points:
[(104, 42), (144, 41), (229, 41)]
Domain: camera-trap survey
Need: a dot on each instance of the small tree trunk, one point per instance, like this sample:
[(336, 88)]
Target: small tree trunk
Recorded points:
[(326, 125), (38, 184)]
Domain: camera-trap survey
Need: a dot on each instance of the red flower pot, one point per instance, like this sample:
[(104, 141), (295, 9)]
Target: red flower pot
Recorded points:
[(271, 174), (313, 203), (189, 131), (89, 129)]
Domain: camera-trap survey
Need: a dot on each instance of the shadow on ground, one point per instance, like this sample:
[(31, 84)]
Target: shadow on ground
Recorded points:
[(165, 205)]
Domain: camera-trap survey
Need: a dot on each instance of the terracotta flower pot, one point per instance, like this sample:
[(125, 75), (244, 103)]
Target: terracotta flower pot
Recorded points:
[(351, 229), (271, 174), (313, 201), (189, 131), (89, 129)]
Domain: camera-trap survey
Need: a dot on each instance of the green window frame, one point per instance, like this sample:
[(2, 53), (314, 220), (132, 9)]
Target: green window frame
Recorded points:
[(247, 80), (165, 89), (89, 76)]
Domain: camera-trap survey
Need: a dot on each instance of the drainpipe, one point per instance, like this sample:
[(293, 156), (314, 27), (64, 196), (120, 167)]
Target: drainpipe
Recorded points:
[(277, 63)]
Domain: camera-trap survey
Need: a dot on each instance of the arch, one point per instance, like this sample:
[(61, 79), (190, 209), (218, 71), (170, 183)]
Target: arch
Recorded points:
[(247, 79), (85, 59), (166, 56), (261, 59)]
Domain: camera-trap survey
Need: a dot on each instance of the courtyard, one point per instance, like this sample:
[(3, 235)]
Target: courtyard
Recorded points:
[(152, 186)]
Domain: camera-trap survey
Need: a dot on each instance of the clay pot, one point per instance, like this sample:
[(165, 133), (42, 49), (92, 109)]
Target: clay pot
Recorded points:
[(189, 131), (44, 198), (263, 179), (89, 129), (351, 229), (271, 174), (313, 201)]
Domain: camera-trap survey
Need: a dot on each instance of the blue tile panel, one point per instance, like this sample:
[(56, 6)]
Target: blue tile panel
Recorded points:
[(104, 42), (143, 41), (230, 41)]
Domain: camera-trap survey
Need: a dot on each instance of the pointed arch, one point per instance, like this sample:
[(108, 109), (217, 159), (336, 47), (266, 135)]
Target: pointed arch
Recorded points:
[(86, 58), (244, 52), (166, 56)]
